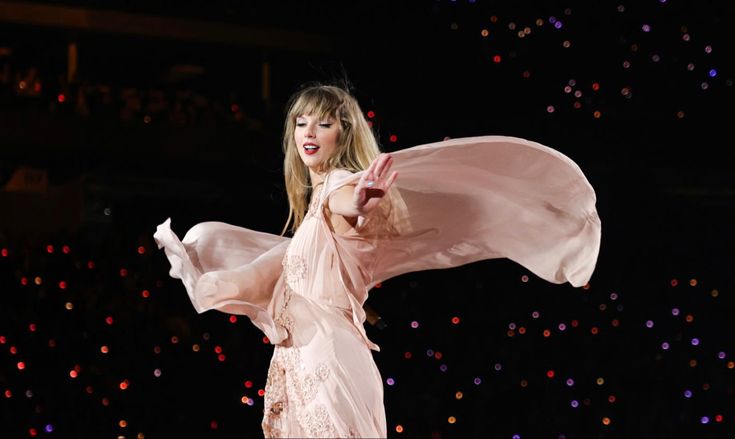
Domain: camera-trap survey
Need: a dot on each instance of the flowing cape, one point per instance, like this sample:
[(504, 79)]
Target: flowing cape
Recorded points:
[(454, 202)]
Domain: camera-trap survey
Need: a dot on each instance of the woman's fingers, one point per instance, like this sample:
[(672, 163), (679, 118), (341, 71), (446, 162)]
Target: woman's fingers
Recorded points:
[(381, 162)]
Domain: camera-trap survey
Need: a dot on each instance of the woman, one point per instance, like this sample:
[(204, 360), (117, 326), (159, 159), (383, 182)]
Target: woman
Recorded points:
[(360, 217)]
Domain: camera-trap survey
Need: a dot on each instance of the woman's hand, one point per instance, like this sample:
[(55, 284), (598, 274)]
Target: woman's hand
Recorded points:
[(373, 184)]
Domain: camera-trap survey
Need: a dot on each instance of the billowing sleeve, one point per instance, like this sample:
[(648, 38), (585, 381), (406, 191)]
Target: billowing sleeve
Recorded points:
[(463, 200), (228, 268)]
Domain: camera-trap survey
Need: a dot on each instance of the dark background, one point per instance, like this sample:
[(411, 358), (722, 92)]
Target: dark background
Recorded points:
[(175, 109)]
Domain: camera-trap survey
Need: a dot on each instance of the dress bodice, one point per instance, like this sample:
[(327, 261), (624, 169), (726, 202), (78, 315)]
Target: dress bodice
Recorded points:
[(310, 265)]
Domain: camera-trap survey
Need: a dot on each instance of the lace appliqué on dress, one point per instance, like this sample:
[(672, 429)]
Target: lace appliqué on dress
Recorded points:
[(289, 392), (294, 266)]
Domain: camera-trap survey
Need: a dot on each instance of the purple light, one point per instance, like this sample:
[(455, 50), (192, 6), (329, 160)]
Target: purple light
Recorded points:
[(535, 314), (443, 367), (707, 49), (704, 420), (675, 311), (570, 382), (477, 381), (390, 381), (552, 19), (712, 73), (687, 393), (721, 355), (665, 346), (414, 324), (562, 326), (695, 342), (575, 403), (613, 296), (498, 366), (646, 28), (558, 25), (49, 428), (429, 353), (516, 436), (649, 323), (512, 326)]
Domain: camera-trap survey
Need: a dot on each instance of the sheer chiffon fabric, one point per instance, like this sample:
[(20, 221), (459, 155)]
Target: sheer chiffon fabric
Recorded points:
[(454, 202)]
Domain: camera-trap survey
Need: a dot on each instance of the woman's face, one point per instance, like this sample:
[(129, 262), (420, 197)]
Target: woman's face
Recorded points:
[(316, 140)]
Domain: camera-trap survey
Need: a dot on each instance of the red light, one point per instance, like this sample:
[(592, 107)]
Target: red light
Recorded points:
[(146, 294), (393, 138), (73, 373), (370, 114), (108, 320), (141, 250), (21, 365), (595, 86), (438, 355), (32, 432), (218, 349), (4, 252), (235, 108), (248, 384), (233, 319), (455, 320), (124, 385), (550, 374), (62, 285), (90, 265), (24, 281), (66, 249), (221, 357), (213, 425), (123, 272), (50, 248), (61, 98), (261, 392), (497, 59), (265, 340), (32, 327)]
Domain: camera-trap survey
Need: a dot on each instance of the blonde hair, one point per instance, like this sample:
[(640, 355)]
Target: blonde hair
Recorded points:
[(357, 146)]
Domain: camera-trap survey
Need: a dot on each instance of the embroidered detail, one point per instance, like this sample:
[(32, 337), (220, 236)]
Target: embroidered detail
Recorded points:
[(315, 202), (294, 267), (290, 391), (283, 318), (318, 423)]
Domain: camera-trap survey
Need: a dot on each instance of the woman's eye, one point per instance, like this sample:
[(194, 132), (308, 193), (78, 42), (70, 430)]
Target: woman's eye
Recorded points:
[(300, 124), (325, 125)]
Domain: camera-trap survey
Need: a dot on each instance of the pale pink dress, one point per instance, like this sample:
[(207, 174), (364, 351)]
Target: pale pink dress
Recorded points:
[(454, 202)]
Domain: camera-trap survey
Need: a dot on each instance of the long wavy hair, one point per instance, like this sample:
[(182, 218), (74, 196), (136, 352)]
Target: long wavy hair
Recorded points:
[(357, 146)]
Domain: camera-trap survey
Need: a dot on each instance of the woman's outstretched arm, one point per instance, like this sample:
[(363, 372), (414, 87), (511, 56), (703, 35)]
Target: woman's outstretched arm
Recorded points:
[(360, 199)]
